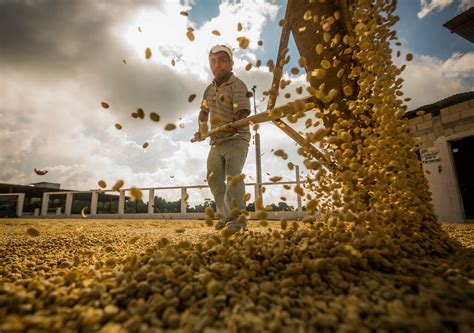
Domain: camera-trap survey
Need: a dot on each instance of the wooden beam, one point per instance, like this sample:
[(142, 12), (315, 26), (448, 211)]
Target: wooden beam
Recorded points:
[(298, 138), (284, 39)]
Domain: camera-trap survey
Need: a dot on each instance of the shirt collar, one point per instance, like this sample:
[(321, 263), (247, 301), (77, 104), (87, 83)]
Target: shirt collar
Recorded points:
[(231, 79)]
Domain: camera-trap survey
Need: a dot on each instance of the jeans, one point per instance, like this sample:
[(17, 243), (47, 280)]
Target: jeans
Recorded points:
[(226, 159)]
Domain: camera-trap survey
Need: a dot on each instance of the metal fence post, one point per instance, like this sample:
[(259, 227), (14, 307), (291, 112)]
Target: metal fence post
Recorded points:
[(298, 183)]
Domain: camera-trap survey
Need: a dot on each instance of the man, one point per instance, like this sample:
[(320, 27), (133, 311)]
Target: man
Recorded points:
[(225, 100)]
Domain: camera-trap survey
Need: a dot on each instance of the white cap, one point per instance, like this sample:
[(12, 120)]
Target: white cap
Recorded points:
[(221, 48)]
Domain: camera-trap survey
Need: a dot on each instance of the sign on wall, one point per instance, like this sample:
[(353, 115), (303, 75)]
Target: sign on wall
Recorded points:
[(429, 157)]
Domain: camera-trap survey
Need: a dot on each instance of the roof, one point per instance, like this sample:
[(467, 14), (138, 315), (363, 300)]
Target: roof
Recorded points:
[(37, 191), (463, 24), (27, 189), (436, 107), (47, 185)]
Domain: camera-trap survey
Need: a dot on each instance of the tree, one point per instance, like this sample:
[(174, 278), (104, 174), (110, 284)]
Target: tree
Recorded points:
[(163, 206)]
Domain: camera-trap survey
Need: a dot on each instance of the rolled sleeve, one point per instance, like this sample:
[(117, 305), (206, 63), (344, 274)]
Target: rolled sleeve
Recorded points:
[(204, 101)]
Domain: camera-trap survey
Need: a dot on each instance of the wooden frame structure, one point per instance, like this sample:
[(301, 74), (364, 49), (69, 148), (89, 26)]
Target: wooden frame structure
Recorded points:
[(183, 214), (305, 39)]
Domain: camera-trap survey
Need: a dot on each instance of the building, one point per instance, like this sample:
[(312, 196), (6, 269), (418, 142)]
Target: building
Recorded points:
[(463, 24), (28, 200), (31, 197), (445, 135)]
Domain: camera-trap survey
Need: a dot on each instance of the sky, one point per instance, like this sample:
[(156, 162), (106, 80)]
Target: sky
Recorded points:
[(59, 59)]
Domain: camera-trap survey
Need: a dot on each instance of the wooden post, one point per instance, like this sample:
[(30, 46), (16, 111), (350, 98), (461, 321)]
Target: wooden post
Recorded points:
[(284, 39)]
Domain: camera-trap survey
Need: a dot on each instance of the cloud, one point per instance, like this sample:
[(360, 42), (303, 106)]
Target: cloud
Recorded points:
[(61, 59), (54, 76), (435, 5), (428, 6), (460, 65), (428, 79), (53, 36), (466, 4)]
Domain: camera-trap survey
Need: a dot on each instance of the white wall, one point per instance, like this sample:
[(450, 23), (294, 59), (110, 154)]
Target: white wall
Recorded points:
[(443, 184), (454, 122)]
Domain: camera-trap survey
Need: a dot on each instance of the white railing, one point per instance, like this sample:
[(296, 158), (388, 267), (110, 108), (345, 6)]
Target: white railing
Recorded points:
[(151, 213)]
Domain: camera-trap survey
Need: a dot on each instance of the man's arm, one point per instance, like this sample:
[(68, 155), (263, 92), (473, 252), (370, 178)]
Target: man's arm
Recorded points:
[(240, 100), (240, 114), (203, 116), (202, 126)]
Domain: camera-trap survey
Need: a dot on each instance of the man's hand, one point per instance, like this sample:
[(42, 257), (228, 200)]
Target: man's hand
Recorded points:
[(198, 137), (241, 114), (230, 129)]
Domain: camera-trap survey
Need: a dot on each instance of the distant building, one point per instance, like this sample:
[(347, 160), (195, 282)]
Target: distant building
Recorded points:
[(445, 136), (34, 194), (55, 186)]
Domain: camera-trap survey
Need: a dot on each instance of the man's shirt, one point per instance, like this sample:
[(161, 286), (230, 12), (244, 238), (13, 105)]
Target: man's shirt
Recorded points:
[(222, 103)]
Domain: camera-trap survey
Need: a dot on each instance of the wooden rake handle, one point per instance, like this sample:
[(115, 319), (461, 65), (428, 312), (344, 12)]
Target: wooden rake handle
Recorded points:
[(274, 114)]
